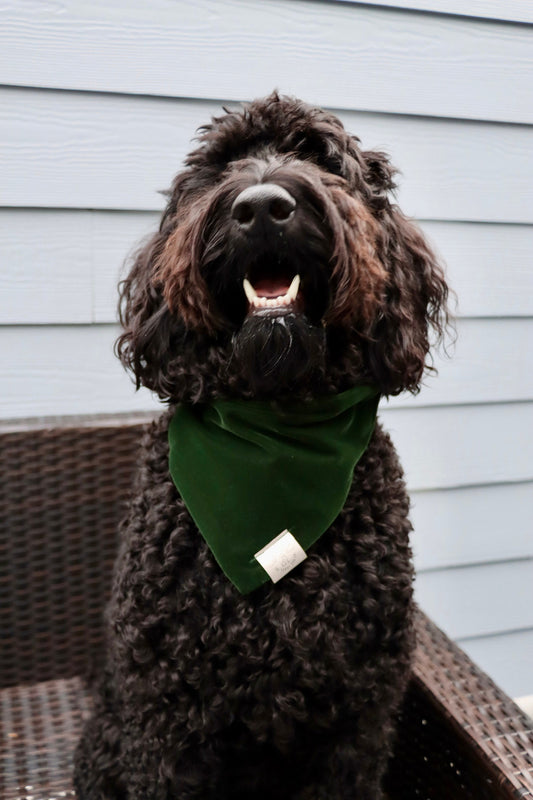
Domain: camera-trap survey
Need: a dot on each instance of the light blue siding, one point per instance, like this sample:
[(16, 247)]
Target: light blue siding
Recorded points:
[(512, 10), (335, 54), (85, 150), (98, 105)]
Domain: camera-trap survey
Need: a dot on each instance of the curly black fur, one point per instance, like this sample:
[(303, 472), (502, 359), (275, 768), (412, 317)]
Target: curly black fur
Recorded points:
[(290, 691)]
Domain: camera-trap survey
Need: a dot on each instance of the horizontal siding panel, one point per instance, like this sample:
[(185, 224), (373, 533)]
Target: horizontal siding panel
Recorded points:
[(116, 237), (511, 10), (482, 600), (75, 150), (59, 266), (50, 258), (488, 266), (46, 267), (447, 447), (486, 364), (329, 53), (62, 370), (472, 525), (508, 659)]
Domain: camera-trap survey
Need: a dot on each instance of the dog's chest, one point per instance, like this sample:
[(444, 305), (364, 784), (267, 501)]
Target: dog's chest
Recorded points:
[(272, 661)]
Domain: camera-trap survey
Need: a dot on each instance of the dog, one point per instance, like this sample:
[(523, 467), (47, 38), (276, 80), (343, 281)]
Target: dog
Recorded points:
[(282, 278)]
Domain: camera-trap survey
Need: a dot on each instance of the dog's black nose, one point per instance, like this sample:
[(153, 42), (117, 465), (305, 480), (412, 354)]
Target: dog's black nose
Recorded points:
[(263, 203)]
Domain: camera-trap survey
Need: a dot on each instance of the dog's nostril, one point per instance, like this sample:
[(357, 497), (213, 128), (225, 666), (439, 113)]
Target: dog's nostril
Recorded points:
[(264, 201), (280, 209), (243, 212)]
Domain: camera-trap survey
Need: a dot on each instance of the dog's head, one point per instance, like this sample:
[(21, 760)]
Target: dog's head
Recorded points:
[(281, 267)]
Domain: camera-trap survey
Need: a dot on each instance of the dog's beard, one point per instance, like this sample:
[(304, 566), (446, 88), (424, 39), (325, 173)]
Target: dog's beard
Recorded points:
[(279, 353)]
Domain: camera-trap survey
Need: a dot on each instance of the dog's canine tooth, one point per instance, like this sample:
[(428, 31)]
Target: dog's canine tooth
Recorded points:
[(293, 289), (249, 291)]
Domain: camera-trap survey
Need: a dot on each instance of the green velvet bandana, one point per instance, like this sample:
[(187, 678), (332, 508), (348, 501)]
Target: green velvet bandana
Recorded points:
[(249, 471)]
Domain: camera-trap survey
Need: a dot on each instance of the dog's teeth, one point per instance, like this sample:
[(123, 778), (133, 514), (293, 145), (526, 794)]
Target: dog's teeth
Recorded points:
[(249, 291), (271, 302), (293, 289)]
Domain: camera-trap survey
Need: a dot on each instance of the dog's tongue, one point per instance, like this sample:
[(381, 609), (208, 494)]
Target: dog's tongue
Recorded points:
[(269, 287)]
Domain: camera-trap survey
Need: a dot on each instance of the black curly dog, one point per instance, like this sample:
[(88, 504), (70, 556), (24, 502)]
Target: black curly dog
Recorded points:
[(289, 691)]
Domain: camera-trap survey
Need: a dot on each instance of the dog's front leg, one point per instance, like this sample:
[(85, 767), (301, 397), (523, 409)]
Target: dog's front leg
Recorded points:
[(355, 761), (351, 775), (99, 758), (113, 763)]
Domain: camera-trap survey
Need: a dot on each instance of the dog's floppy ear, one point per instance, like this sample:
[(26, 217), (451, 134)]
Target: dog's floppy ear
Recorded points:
[(148, 327), (178, 273), (413, 315), (155, 327)]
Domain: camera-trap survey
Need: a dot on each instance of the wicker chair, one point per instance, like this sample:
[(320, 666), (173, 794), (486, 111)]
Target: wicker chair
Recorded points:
[(63, 487)]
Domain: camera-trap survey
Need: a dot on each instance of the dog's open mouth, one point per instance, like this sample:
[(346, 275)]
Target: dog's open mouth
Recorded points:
[(273, 294)]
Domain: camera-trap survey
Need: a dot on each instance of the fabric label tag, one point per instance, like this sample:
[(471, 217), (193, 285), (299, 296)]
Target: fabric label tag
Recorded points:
[(280, 555)]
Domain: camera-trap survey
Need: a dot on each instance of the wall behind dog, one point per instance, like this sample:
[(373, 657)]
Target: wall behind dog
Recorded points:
[(98, 105)]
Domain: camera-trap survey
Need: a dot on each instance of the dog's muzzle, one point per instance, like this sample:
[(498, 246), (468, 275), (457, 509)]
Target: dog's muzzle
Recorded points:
[(263, 211)]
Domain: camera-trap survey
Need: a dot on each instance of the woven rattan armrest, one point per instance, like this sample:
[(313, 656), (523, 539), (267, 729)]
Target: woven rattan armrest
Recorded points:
[(460, 734), (64, 484)]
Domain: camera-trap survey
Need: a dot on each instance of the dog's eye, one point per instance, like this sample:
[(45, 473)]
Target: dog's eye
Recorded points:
[(321, 152), (333, 165)]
